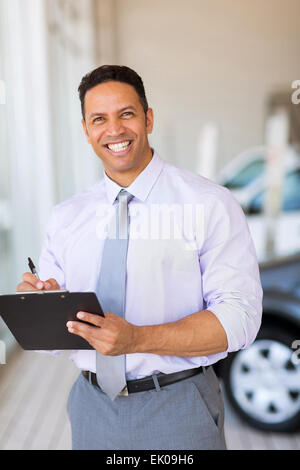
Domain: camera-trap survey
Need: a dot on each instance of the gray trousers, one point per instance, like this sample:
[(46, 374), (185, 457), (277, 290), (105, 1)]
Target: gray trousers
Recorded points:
[(187, 415)]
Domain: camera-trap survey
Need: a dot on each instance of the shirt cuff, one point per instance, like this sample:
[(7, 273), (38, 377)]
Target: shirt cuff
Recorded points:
[(234, 321)]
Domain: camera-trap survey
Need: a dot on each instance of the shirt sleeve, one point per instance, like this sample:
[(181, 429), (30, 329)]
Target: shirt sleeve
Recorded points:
[(230, 274), (49, 266)]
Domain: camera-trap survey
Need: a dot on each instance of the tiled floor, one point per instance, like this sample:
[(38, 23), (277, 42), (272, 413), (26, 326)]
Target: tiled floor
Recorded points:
[(33, 408)]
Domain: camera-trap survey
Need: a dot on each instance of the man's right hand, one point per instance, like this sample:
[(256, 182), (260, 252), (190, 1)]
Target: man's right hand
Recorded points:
[(32, 283)]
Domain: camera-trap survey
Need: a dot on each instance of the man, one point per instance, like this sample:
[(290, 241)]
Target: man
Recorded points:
[(191, 294)]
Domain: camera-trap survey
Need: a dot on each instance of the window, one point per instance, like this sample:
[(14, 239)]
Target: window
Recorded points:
[(248, 174), (290, 197), (291, 191)]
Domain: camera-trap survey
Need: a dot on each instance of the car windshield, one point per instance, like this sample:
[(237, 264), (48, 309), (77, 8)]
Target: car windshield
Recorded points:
[(290, 196), (245, 176)]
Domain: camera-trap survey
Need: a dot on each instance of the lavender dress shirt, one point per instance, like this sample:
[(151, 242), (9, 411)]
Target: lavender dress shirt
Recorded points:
[(189, 249)]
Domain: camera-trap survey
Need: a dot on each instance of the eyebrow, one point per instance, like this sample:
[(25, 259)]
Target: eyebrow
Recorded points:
[(98, 113)]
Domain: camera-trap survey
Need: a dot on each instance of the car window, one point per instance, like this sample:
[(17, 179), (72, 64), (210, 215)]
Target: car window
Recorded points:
[(290, 197), (291, 191), (246, 175), (256, 205)]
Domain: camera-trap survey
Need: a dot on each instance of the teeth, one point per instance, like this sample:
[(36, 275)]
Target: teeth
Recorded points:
[(119, 147)]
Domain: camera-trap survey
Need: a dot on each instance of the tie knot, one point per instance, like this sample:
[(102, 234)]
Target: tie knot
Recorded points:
[(124, 196)]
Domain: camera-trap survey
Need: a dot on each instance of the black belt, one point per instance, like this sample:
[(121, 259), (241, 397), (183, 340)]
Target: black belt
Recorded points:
[(147, 383)]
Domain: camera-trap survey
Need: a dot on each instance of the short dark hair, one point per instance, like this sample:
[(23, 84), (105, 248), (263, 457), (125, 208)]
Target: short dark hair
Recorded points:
[(108, 73)]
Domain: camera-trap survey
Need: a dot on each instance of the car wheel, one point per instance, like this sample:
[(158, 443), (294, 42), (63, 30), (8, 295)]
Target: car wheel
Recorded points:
[(262, 382)]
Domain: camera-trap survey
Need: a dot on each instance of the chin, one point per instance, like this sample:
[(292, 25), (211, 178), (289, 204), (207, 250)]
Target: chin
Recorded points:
[(119, 167)]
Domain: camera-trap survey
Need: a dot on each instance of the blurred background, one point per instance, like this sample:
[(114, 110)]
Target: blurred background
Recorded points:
[(223, 78)]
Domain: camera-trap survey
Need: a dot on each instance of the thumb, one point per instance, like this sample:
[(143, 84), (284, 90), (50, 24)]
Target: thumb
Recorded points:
[(51, 284)]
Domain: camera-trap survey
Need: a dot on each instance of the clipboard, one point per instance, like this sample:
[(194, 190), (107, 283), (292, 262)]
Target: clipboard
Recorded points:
[(38, 319)]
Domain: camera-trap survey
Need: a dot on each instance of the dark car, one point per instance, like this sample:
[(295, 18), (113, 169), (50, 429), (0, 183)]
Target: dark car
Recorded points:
[(262, 382)]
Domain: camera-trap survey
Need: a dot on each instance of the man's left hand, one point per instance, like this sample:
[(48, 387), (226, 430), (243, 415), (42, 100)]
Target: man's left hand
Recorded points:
[(110, 335)]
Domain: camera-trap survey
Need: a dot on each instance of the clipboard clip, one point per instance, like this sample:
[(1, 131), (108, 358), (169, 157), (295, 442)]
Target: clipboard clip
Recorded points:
[(62, 291)]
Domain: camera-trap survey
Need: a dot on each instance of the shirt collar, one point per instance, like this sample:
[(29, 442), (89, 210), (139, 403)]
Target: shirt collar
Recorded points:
[(142, 185)]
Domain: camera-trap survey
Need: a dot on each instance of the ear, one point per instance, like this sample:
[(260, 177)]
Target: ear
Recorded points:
[(149, 120), (85, 130)]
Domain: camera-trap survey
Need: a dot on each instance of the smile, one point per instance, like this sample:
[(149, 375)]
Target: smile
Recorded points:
[(119, 148)]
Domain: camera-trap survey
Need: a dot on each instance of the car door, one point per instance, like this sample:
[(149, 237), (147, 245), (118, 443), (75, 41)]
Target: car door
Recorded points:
[(287, 237), (287, 230)]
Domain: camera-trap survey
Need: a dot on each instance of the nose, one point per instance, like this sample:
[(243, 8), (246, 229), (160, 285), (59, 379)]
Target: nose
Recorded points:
[(115, 127)]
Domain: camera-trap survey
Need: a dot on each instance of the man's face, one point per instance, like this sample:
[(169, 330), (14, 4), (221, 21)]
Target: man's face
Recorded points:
[(117, 128)]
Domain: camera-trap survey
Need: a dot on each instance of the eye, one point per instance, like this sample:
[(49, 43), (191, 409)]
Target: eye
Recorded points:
[(98, 119), (127, 113)]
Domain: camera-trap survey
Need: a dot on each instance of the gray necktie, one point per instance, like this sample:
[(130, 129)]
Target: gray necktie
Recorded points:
[(110, 290)]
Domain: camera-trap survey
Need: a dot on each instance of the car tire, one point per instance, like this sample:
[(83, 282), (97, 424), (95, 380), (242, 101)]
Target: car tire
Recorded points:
[(262, 382)]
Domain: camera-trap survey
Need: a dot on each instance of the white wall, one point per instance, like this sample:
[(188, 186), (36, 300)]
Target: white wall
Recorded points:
[(71, 55), (5, 245), (46, 47), (208, 60)]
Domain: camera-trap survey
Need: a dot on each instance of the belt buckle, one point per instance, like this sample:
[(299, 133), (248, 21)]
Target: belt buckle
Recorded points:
[(124, 392)]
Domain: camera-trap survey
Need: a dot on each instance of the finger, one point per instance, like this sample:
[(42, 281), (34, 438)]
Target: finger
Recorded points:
[(76, 331), (87, 335), (92, 318), (30, 278), (85, 331), (51, 284), (26, 287)]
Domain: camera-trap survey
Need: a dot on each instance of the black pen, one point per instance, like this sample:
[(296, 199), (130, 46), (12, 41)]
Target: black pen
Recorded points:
[(32, 267)]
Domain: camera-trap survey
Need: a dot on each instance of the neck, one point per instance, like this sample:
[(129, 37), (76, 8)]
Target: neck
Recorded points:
[(125, 178)]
